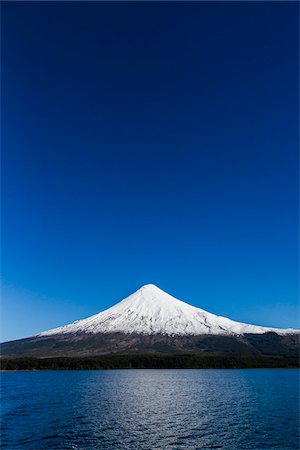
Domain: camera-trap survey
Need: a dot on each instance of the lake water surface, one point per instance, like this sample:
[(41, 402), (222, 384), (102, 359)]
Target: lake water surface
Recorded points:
[(150, 409)]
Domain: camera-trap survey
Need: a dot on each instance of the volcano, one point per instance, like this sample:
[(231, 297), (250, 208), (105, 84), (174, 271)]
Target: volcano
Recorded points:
[(152, 320)]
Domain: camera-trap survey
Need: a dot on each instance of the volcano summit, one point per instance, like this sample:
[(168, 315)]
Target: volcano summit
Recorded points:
[(150, 310)]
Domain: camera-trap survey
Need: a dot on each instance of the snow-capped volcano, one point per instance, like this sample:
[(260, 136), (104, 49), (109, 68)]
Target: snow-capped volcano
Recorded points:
[(150, 311)]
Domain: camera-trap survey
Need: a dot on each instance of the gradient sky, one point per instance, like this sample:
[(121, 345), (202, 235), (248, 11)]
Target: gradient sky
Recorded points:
[(149, 143)]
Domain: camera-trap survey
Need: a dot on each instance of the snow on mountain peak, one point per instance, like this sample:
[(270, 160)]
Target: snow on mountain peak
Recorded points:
[(150, 291), (149, 287), (150, 310)]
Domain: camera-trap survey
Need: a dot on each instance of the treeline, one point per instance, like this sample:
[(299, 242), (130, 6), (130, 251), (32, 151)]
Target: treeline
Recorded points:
[(118, 361)]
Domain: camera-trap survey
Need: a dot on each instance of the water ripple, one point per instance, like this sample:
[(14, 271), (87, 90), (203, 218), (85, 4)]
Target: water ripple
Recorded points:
[(150, 410)]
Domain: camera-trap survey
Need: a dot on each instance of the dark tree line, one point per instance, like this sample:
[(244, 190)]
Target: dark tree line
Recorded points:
[(125, 361)]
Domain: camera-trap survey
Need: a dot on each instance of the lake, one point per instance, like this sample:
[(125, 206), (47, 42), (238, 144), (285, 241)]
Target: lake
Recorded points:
[(150, 409)]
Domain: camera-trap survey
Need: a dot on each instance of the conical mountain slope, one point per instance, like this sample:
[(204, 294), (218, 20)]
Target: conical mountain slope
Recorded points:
[(151, 311)]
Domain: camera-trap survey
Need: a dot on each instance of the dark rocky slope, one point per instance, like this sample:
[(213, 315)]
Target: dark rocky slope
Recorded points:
[(83, 345)]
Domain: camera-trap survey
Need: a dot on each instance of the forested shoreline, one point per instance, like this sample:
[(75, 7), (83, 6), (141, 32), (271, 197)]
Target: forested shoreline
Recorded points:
[(144, 361)]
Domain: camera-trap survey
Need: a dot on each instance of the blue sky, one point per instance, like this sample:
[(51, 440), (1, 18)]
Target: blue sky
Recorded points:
[(149, 143)]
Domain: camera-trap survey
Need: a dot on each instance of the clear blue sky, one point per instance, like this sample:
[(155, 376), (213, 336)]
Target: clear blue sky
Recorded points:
[(149, 143)]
